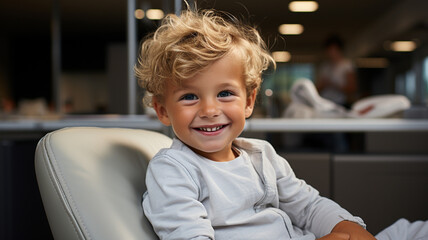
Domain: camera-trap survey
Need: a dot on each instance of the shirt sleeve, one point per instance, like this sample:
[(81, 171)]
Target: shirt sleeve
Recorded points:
[(171, 202), (305, 207)]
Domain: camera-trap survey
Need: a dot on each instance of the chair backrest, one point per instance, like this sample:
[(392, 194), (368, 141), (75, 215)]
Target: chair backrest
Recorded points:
[(92, 179)]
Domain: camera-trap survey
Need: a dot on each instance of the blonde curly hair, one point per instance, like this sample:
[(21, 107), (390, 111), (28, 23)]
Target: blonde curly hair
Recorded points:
[(185, 45)]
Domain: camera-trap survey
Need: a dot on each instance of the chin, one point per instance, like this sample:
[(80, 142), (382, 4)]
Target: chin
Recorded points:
[(212, 149)]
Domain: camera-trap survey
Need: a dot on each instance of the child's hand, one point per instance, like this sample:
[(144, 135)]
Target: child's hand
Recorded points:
[(336, 236), (354, 231)]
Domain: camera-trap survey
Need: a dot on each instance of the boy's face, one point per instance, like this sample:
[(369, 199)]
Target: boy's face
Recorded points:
[(208, 111)]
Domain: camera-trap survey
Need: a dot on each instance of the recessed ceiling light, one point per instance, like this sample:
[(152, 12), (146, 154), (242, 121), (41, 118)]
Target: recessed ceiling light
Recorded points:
[(155, 14), (403, 46), (139, 14), (290, 29), (303, 6), (281, 56)]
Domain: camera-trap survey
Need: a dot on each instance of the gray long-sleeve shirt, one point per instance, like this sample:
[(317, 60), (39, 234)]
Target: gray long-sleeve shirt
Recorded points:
[(255, 196)]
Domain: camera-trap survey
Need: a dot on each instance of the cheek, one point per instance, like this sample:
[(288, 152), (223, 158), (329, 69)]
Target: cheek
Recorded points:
[(182, 116), (237, 110)]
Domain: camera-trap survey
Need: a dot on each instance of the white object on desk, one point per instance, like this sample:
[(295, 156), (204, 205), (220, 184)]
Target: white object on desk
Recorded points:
[(379, 106), (307, 103)]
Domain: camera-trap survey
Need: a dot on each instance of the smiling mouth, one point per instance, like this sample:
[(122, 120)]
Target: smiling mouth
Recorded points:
[(211, 129)]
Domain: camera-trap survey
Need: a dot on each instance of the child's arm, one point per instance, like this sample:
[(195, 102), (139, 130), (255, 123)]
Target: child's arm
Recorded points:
[(304, 206), (336, 236), (353, 229), (171, 202)]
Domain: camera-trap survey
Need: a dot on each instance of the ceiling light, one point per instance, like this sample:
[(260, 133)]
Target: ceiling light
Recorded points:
[(403, 46), (281, 56), (139, 14), (303, 6), (155, 14), (290, 29)]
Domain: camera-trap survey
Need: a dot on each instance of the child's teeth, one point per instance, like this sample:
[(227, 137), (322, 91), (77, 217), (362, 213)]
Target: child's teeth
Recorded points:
[(210, 129)]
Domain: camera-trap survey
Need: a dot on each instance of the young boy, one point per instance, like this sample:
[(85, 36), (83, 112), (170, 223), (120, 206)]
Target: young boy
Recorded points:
[(203, 74)]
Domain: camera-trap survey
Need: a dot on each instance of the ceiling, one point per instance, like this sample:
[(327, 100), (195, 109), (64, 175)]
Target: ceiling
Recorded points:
[(360, 23), (333, 16)]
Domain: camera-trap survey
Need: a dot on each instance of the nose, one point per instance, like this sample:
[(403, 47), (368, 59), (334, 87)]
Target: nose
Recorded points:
[(209, 109)]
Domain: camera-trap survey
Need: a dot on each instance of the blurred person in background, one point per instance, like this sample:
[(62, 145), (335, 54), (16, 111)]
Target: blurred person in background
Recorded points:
[(337, 79), (7, 105)]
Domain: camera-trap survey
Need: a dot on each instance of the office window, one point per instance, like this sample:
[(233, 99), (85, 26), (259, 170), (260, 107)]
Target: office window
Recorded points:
[(275, 91), (425, 79), (410, 85), (285, 75), (400, 84)]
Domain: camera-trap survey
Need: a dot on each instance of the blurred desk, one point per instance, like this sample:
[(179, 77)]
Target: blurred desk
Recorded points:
[(252, 125), (108, 121), (17, 125), (46, 124), (336, 125)]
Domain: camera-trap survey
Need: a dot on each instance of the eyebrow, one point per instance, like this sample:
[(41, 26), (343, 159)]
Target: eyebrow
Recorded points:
[(183, 87), (228, 84)]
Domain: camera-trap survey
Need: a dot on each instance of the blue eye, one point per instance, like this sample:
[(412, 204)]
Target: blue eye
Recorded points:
[(189, 97), (225, 94)]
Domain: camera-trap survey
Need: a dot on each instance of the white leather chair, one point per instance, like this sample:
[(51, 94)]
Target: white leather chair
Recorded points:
[(92, 179)]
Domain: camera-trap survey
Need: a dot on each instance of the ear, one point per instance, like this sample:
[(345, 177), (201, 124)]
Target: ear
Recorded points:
[(251, 99), (161, 112)]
